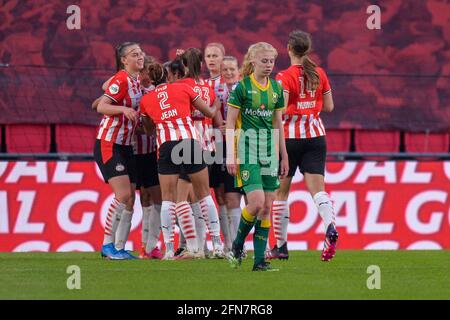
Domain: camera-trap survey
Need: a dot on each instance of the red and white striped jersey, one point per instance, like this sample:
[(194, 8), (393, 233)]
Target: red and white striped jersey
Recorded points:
[(142, 142), (301, 119), (169, 106), (221, 90), (204, 125), (125, 91)]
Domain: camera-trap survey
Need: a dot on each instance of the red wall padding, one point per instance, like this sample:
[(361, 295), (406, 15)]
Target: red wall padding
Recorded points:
[(26, 138), (423, 142), (73, 138)]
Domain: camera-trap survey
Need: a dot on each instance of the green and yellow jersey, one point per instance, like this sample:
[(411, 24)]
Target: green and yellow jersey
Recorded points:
[(256, 103), (256, 141)]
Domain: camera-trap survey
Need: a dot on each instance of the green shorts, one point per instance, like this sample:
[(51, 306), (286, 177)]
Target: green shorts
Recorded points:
[(252, 177)]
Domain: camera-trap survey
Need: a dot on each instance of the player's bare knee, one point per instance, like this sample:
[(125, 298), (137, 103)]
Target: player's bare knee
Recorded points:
[(124, 196), (145, 202), (257, 207), (220, 201), (169, 195), (145, 199), (218, 192), (282, 195), (263, 215), (232, 203), (130, 202), (266, 209), (201, 191)]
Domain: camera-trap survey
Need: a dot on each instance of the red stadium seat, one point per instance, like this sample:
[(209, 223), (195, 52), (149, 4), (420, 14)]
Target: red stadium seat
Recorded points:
[(338, 140), (377, 141), (427, 142), (27, 138), (73, 138)]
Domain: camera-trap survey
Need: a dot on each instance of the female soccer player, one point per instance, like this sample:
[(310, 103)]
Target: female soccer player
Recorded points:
[(144, 148), (233, 195), (214, 53), (176, 71), (113, 151), (307, 93), (168, 108), (256, 110), (192, 61), (230, 72)]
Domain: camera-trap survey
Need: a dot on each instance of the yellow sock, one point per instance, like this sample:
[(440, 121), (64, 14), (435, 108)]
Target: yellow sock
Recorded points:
[(247, 216), (265, 223)]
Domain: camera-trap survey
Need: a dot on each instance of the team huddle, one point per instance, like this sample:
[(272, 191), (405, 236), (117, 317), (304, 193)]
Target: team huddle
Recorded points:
[(175, 136)]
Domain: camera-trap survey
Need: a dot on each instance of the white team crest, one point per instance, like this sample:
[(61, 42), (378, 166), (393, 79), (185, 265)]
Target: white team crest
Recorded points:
[(245, 175), (114, 88), (120, 167)]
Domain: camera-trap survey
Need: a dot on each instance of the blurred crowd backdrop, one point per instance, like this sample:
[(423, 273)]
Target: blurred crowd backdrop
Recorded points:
[(397, 77)]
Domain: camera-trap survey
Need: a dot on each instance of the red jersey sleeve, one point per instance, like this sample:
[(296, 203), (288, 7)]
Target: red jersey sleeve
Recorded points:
[(117, 88), (326, 88), (283, 80), (192, 94)]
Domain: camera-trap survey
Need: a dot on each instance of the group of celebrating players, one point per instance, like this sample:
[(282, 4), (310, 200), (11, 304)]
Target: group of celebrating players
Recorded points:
[(175, 136)]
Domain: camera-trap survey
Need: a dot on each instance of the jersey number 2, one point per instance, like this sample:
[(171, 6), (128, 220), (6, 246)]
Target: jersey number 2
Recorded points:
[(163, 99)]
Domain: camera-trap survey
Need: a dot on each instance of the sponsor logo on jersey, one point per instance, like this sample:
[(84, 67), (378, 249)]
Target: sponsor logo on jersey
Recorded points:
[(114, 88), (245, 175), (120, 167), (259, 112), (252, 92)]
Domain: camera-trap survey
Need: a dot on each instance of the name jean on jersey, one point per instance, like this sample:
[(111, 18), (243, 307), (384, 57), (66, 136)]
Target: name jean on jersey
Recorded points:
[(169, 114)]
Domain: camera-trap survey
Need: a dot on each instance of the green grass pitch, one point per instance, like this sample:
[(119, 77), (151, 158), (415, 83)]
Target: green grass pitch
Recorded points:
[(404, 275)]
